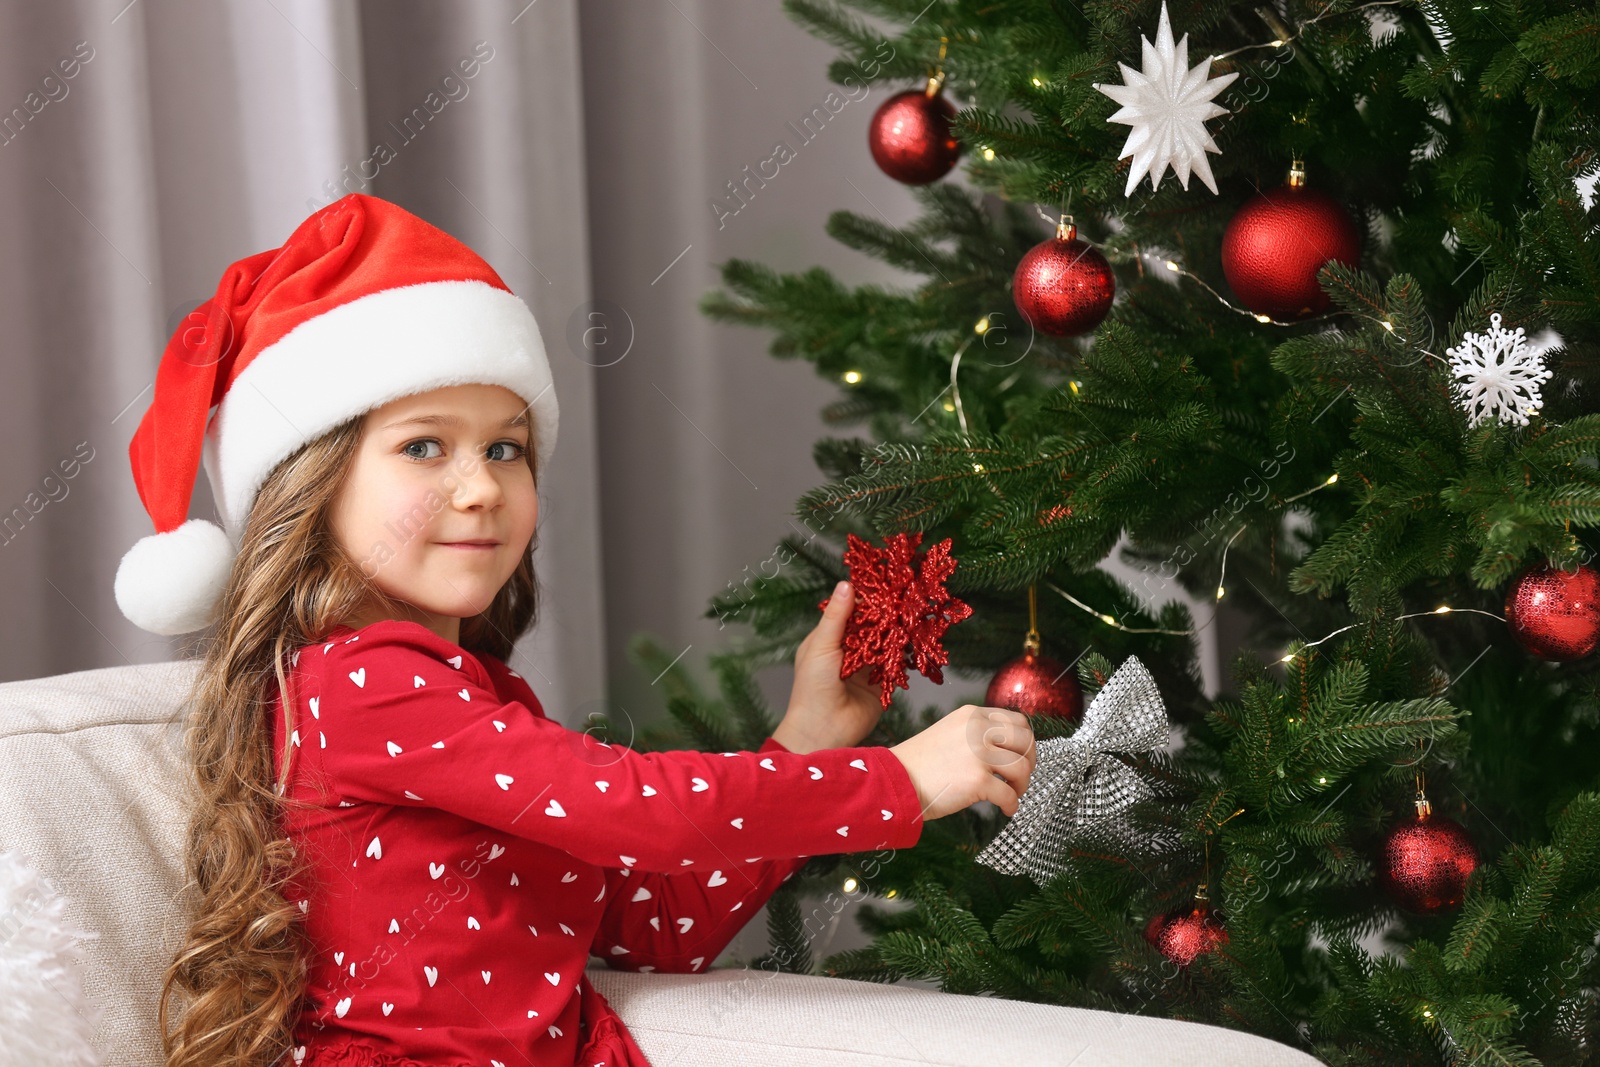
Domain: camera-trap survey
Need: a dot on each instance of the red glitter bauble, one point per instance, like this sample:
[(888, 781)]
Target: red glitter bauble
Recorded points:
[(1555, 614), (910, 137), (1184, 935), (1424, 863), (1063, 286), (1036, 685), (1276, 243), (901, 613)]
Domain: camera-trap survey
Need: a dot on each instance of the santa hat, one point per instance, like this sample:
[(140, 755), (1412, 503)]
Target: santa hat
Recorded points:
[(364, 303)]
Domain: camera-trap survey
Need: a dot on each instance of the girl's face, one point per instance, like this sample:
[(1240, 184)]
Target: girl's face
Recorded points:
[(440, 503)]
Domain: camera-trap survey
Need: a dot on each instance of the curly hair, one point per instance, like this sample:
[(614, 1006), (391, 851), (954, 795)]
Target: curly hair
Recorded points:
[(243, 967)]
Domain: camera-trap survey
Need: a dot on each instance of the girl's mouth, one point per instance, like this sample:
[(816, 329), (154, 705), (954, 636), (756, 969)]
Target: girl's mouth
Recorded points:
[(470, 545)]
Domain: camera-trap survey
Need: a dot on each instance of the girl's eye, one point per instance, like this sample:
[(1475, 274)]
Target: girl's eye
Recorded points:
[(518, 454), (424, 444)]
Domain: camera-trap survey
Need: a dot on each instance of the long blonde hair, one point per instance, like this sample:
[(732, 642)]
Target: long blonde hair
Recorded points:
[(244, 965)]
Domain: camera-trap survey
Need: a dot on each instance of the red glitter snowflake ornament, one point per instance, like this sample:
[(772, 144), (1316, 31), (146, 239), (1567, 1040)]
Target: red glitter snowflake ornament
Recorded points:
[(902, 611)]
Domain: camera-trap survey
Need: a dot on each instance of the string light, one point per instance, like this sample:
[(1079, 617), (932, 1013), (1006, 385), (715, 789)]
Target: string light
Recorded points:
[(1442, 609), (850, 885), (1223, 571), (1332, 478), (852, 376), (1266, 320), (1283, 37)]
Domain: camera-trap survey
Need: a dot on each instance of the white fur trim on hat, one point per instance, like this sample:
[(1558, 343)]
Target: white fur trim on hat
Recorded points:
[(361, 355), (169, 583)]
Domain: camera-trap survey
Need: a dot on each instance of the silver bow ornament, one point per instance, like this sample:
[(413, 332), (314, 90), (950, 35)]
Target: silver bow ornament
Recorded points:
[(1077, 785)]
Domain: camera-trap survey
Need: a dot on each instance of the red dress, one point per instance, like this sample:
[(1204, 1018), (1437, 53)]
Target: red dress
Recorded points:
[(467, 854)]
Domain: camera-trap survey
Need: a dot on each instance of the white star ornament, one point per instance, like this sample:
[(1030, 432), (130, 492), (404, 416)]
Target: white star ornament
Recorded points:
[(1167, 104)]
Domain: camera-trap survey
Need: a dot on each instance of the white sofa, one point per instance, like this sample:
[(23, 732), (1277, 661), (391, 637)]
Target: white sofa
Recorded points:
[(92, 796)]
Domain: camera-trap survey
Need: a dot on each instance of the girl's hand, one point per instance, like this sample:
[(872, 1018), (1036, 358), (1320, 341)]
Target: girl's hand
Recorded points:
[(826, 711), (972, 754)]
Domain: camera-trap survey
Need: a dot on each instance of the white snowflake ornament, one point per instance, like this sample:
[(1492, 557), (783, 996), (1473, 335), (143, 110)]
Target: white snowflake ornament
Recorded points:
[(1167, 104), (1498, 375)]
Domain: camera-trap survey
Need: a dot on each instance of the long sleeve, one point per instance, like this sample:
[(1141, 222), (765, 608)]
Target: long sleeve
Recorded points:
[(673, 922), (405, 719)]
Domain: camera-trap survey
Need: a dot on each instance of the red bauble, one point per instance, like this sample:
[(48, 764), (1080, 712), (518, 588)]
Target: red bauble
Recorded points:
[(1276, 243), (910, 137), (1036, 685), (1184, 935), (1555, 614), (1063, 286), (1424, 863), (901, 613)]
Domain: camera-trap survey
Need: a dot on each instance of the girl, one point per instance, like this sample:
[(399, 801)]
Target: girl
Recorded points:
[(399, 859)]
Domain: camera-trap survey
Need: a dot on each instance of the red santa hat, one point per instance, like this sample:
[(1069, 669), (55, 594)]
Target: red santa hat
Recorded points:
[(363, 304)]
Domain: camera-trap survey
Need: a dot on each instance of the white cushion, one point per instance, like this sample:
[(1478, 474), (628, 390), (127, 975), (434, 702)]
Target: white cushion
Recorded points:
[(94, 795)]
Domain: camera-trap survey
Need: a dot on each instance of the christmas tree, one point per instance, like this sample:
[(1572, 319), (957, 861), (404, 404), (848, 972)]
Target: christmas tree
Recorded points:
[(1342, 382)]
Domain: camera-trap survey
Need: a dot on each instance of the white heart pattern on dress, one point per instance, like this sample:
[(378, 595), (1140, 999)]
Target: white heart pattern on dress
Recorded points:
[(315, 703), (412, 795), (359, 677), (685, 863), (496, 851), (843, 831), (387, 1007), (618, 950), (394, 749), (887, 814), (655, 922), (485, 977), (569, 877), (554, 808), (338, 957), (684, 924), (695, 963), (417, 682), (472, 923), (738, 824), (375, 850), (859, 764), (649, 791), (394, 926), (438, 744), (627, 861), (454, 661), (767, 763), (553, 977), (566, 930), (602, 786), (463, 694), (504, 781), (699, 785), (499, 727), (641, 894), (432, 973), (436, 870), (716, 879), (816, 772), (555, 1031), (340, 1008)]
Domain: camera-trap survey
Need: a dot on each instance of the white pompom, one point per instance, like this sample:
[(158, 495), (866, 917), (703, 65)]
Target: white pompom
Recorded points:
[(45, 1016), (169, 583)]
